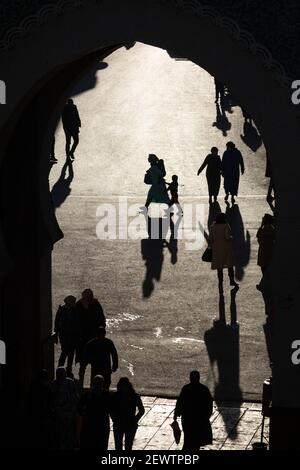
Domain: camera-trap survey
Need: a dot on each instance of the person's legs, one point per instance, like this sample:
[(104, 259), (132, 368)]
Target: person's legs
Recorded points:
[(231, 277), (75, 136), (129, 437), (220, 278), (118, 436), (107, 381), (62, 357), (68, 143), (70, 358)]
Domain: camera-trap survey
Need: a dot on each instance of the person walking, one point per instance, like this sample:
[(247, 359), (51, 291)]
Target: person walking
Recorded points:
[(90, 316), (93, 410), (266, 239), (71, 125), (155, 176), (65, 399), (173, 188), (222, 249), (195, 406), (66, 329), (232, 164), (220, 92), (125, 403), (213, 166), (101, 353)]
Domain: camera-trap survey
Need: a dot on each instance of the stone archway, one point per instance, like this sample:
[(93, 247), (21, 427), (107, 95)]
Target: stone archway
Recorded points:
[(38, 84)]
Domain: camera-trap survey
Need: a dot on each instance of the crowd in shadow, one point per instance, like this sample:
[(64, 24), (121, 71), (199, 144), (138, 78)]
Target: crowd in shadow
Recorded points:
[(224, 103)]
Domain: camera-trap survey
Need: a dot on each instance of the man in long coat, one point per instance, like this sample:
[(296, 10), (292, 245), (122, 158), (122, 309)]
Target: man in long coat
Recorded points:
[(232, 164), (195, 406), (101, 353)]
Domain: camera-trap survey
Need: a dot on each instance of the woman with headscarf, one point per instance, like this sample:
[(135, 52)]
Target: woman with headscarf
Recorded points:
[(222, 249), (93, 409), (155, 176), (126, 403), (232, 163)]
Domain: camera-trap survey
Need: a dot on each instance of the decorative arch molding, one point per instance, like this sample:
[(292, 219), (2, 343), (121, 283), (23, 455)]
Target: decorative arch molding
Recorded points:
[(49, 11)]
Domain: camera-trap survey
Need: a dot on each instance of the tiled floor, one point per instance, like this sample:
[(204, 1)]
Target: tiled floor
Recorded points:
[(235, 426)]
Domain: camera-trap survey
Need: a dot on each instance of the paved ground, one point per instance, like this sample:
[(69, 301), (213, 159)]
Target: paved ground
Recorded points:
[(235, 427), (161, 302)]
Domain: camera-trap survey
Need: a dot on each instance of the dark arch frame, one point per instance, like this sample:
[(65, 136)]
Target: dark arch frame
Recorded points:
[(45, 84)]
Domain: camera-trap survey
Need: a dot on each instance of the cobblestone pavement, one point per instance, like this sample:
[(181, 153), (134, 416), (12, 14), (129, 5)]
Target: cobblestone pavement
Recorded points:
[(235, 426)]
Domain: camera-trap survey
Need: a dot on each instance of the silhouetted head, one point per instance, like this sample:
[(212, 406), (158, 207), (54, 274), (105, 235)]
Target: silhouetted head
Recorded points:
[(268, 219), (61, 374), (70, 300), (221, 218), (195, 377), (43, 376), (175, 178), (124, 385), (101, 332), (230, 146), (98, 383), (214, 151), (152, 158), (87, 295), (70, 101)]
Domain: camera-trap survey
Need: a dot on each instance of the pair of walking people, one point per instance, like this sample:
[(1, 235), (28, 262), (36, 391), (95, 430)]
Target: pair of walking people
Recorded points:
[(230, 167), (158, 192), (96, 406)]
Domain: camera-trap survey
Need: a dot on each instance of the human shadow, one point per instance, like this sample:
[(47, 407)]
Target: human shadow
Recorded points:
[(61, 189), (241, 240), (251, 136), (223, 347), (89, 80), (152, 250), (172, 244), (222, 123)]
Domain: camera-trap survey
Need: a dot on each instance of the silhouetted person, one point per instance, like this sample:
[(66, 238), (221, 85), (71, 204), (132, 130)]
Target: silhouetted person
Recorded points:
[(266, 238), (53, 159), (91, 316), (232, 163), (155, 176), (65, 399), (242, 240), (213, 164), (125, 404), (93, 409), (222, 249), (220, 92), (271, 190), (71, 124), (195, 406), (67, 329), (173, 188), (41, 411), (101, 353)]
